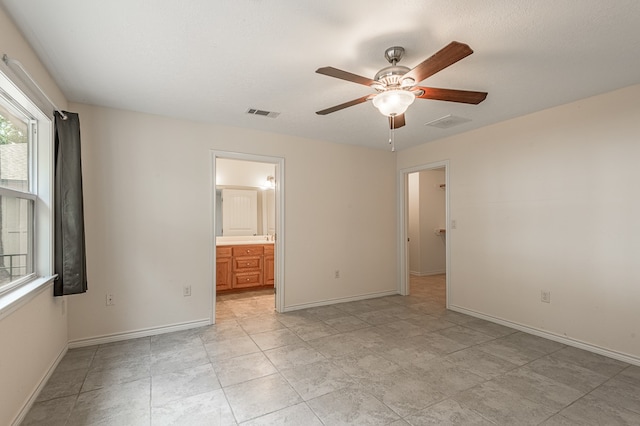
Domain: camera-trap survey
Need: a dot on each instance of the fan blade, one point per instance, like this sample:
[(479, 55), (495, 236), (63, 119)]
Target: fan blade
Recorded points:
[(451, 95), (448, 55), (397, 121), (344, 105), (344, 75)]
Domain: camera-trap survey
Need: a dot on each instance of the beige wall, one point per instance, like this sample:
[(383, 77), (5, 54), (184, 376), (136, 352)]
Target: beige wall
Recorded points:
[(13, 44), (147, 185), (35, 334), (32, 338), (549, 201)]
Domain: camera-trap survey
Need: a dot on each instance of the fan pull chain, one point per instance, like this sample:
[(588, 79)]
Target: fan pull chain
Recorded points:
[(392, 134)]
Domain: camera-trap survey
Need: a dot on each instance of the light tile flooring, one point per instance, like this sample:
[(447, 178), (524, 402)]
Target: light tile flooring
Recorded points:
[(388, 361)]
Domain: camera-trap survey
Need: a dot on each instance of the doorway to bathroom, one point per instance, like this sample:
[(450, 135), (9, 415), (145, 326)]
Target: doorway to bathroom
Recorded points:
[(247, 234), (424, 245)]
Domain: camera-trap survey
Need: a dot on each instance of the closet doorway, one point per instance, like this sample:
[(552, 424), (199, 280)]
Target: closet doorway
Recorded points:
[(424, 245), (247, 234)]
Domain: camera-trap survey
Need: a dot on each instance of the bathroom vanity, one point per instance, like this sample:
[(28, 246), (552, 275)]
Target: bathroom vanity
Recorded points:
[(244, 265)]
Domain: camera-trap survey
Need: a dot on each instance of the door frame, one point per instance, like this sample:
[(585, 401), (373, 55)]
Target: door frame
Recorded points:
[(280, 231), (403, 225)]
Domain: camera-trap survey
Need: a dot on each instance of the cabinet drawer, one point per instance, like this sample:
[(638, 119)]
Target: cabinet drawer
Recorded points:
[(240, 263), (247, 279), (268, 249), (247, 250), (223, 251)]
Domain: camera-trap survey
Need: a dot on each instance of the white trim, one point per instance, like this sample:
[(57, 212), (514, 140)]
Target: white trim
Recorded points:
[(18, 296), (42, 177), (18, 282), (403, 261), (630, 359), (339, 300), (280, 228), (8, 192), (34, 396), (40, 191), (402, 232), (143, 332), (212, 237)]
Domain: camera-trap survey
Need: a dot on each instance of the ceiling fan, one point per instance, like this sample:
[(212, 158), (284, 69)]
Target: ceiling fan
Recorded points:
[(396, 84)]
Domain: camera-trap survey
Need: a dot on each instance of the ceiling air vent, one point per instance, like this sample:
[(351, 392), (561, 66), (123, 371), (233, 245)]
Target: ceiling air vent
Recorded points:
[(447, 121), (262, 113)]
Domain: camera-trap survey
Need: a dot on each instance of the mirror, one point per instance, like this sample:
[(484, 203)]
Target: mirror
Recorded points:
[(244, 211), (245, 198)]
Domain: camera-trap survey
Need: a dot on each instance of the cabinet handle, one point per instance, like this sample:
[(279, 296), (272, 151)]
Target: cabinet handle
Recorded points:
[(247, 263)]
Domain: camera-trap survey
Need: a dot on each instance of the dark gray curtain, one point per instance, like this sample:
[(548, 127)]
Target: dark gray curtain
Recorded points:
[(69, 258)]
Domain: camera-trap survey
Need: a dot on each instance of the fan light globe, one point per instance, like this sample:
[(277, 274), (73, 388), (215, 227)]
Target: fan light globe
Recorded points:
[(393, 102)]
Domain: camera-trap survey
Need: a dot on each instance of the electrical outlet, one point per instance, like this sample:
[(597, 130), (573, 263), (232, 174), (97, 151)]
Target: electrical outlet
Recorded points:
[(454, 224), (186, 290), (336, 274), (545, 296), (109, 300)]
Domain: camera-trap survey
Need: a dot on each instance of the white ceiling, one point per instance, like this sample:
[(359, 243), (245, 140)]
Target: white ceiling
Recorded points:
[(210, 61)]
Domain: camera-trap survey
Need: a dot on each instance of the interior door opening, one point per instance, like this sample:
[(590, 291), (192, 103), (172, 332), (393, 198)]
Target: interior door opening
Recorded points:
[(247, 235), (427, 234), (424, 245)]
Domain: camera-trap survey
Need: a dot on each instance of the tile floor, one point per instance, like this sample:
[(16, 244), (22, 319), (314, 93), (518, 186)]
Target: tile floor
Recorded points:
[(388, 361)]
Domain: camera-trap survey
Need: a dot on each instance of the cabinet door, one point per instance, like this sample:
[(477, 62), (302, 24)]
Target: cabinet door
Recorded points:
[(223, 273), (269, 270)]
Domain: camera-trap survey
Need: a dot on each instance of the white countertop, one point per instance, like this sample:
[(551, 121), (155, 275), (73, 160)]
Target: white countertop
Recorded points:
[(240, 241)]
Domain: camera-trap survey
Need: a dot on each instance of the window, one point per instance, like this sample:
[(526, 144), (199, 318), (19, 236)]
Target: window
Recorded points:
[(25, 177)]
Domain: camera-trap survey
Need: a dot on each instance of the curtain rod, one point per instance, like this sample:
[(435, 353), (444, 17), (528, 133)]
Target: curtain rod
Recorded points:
[(17, 63)]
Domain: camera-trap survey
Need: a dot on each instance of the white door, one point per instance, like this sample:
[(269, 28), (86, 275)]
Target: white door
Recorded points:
[(239, 212)]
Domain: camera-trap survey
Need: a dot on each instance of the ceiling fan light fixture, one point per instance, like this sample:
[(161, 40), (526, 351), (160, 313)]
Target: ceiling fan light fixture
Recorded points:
[(378, 87), (405, 83), (393, 102)]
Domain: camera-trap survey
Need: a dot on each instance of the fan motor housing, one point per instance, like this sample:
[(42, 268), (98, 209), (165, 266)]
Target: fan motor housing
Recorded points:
[(394, 54), (391, 76)]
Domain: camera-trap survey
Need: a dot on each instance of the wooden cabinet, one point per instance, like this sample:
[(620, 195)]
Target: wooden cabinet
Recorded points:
[(269, 265), (247, 266), (223, 268), (244, 267)]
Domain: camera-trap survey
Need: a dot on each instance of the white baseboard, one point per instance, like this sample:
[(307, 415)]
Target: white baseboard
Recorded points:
[(145, 332), (630, 359), (34, 396), (339, 300)]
